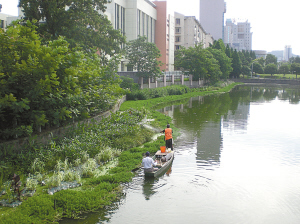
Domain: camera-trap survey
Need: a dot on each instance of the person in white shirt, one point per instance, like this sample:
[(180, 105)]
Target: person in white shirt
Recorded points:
[(148, 163)]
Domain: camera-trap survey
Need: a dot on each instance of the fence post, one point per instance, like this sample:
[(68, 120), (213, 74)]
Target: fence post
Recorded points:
[(182, 79), (165, 80), (149, 83), (141, 80), (173, 79), (191, 80)]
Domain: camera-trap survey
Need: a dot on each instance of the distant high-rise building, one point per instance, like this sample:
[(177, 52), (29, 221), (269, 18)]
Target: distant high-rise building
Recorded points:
[(212, 17), (238, 35), (287, 53)]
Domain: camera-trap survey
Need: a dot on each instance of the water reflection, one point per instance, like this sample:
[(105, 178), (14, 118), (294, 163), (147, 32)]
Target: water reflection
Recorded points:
[(148, 188)]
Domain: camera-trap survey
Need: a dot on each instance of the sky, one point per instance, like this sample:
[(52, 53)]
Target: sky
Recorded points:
[(274, 24)]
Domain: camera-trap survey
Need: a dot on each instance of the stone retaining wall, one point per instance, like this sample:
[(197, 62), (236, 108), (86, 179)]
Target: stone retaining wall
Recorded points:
[(269, 81), (46, 136)]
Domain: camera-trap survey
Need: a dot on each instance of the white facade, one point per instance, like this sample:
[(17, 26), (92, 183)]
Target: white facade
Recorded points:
[(287, 53), (133, 17), (212, 17), (189, 32), (6, 20), (260, 54), (238, 36), (171, 42), (179, 30)]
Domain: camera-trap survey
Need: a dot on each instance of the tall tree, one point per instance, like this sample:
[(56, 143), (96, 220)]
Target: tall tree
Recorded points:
[(143, 56), (236, 65), (245, 70), (257, 68), (295, 68), (284, 68), (223, 61), (219, 44), (271, 59), (80, 21), (198, 62), (294, 60), (271, 69), (49, 84), (228, 51)]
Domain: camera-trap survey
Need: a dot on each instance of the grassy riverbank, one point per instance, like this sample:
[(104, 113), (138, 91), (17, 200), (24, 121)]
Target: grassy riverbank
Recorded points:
[(98, 157)]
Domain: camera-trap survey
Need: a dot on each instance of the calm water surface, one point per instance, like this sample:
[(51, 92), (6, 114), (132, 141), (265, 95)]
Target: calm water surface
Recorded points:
[(237, 161)]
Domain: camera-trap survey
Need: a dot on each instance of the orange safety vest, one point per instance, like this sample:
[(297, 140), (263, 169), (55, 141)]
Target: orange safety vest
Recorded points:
[(168, 133)]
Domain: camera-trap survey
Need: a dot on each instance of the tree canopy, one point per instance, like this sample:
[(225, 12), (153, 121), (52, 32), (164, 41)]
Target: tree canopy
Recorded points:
[(270, 58), (295, 68), (143, 56), (258, 68), (223, 61), (80, 21), (49, 84), (271, 69), (236, 65), (284, 68), (198, 62)]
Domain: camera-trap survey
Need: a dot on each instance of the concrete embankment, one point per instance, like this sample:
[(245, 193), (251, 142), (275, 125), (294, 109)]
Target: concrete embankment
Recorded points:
[(269, 81)]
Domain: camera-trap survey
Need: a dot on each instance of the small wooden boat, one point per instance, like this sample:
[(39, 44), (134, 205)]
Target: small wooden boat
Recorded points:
[(164, 161)]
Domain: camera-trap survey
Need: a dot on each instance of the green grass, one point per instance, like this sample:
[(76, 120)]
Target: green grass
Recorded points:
[(275, 76)]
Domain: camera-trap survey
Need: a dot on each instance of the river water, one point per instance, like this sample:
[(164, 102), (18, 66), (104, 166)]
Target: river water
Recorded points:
[(237, 160)]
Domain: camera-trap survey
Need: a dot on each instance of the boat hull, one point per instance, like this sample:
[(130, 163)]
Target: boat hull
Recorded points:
[(163, 167)]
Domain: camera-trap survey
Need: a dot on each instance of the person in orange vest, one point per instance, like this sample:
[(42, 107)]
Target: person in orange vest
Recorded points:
[(168, 137)]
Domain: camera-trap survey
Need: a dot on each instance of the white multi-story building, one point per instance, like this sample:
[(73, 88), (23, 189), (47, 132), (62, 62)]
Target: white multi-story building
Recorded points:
[(136, 18), (238, 35), (6, 20), (189, 32), (287, 53), (212, 17), (133, 18)]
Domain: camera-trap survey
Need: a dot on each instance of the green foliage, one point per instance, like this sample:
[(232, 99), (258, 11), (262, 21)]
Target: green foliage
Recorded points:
[(198, 62), (223, 60), (257, 68), (157, 92), (271, 69), (236, 65), (245, 70), (49, 85), (271, 59), (219, 44), (284, 68), (143, 56), (127, 83), (295, 68), (294, 60), (79, 21)]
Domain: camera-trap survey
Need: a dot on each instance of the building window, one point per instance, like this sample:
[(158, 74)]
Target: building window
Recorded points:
[(138, 22), (177, 39), (1, 23), (143, 23), (177, 21), (177, 47), (129, 68), (122, 66), (177, 30)]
